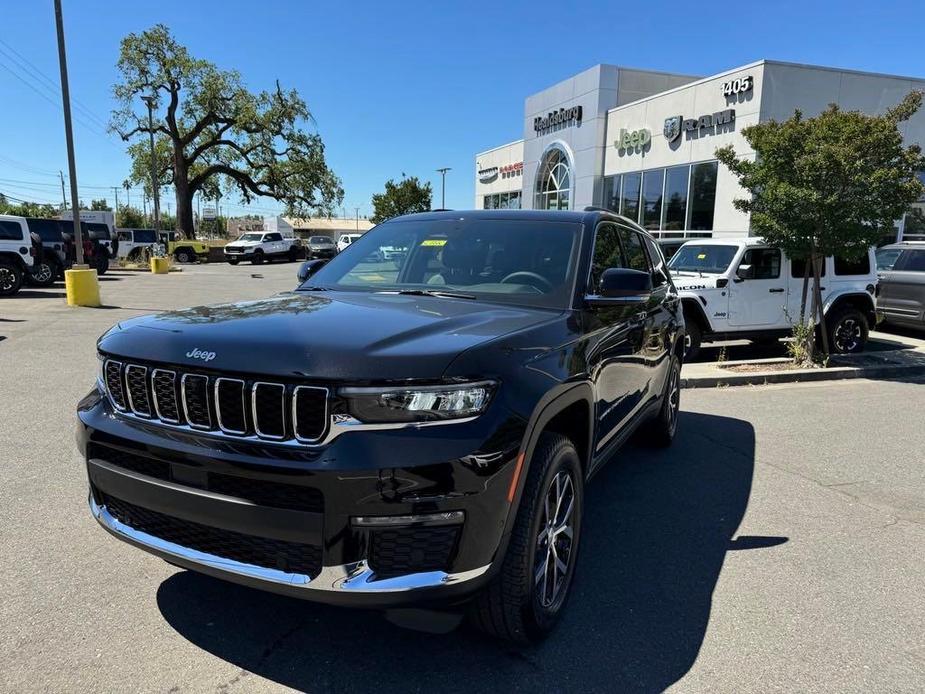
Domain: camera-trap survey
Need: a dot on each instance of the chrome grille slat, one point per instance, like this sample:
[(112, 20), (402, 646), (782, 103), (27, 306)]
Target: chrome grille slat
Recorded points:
[(233, 416), (195, 392), (164, 392), (136, 385), (264, 411), (243, 408)]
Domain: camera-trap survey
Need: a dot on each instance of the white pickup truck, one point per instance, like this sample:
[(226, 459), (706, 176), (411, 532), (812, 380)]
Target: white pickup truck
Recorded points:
[(257, 246), (743, 289)]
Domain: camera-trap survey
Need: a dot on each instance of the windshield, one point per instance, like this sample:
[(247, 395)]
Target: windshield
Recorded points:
[(250, 237), (319, 239), (693, 257), (887, 257), (510, 261), (144, 236)]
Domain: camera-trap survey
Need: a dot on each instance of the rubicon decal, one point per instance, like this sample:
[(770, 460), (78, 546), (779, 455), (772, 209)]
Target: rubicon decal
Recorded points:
[(197, 353)]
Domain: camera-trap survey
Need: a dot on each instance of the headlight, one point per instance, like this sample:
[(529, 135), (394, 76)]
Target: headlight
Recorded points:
[(421, 404)]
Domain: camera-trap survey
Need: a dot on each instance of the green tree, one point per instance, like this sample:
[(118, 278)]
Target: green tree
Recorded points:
[(210, 131), (130, 218), (99, 205), (27, 209), (828, 185), (404, 197)]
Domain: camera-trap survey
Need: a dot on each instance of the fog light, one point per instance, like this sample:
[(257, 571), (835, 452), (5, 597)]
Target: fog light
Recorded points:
[(443, 518)]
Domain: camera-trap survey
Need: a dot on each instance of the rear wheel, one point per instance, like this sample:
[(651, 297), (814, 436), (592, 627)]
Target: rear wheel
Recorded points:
[(293, 254), (10, 278), (184, 255), (848, 330), (661, 430), (526, 598), (101, 262)]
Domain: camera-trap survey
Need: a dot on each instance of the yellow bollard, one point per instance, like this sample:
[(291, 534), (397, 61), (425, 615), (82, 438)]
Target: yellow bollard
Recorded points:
[(160, 266), (81, 286)]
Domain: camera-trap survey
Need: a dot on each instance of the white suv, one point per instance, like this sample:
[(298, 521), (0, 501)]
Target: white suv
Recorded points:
[(345, 240), (16, 253), (257, 246), (743, 289)]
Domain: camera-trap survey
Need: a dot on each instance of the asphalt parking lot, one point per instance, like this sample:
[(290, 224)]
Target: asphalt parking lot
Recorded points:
[(777, 546)]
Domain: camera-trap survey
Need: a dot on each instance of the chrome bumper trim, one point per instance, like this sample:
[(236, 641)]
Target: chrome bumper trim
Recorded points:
[(355, 577)]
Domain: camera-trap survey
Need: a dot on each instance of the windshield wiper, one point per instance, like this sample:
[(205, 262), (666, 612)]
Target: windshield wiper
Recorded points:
[(434, 292), (312, 288)]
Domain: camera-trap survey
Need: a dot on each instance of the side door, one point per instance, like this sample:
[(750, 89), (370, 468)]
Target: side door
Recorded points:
[(887, 259), (760, 300), (273, 243), (663, 310), (616, 361), (907, 287)]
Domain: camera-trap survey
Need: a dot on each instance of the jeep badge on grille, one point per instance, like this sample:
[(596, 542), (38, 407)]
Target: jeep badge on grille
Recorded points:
[(197, 353)]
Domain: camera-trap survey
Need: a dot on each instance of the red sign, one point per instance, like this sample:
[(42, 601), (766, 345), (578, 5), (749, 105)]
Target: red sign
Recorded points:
[(512, 169)]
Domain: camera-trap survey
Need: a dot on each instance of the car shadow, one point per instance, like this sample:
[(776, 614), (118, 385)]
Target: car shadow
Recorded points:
[(658, 524), (36, 294)]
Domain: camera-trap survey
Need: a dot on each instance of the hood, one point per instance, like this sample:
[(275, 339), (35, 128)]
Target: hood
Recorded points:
[(242, 243), (694, 282), (332, 336)]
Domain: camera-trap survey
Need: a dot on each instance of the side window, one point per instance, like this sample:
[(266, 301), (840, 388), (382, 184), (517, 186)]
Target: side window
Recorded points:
[(887, 257), (765, 261), (798, 267), (125, 236), (912, 261), (10, 230), (659, 267), (273, 237), (635, 250), (607, 254), (861, 266)]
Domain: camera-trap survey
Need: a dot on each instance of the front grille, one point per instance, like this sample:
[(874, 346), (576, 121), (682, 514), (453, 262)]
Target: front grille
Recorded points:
[(397, 551), (294, 497), (286, 556), (235, 406)]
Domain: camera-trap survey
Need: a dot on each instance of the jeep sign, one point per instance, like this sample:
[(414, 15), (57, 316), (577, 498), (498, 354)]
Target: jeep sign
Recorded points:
[(631, 139)]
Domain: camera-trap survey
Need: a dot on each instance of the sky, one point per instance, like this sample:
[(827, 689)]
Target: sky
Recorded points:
[(401, 87)]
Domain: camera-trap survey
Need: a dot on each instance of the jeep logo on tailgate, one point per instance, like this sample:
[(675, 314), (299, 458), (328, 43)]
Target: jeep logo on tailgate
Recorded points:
[(197, 353)]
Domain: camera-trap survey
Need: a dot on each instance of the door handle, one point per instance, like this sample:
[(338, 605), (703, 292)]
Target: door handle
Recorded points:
[(776, 290)]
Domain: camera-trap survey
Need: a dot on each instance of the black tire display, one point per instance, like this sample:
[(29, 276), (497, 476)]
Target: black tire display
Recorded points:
[(848, 329), (526, 598), (10, 278)]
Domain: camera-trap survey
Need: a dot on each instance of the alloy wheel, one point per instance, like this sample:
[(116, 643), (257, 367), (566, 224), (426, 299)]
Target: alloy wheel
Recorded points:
[(847, 335), (7, 279), (44, 273), (674, 398), (555, 540)]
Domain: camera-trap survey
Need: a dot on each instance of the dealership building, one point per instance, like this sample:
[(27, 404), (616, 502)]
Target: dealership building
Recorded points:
[(643, 143)]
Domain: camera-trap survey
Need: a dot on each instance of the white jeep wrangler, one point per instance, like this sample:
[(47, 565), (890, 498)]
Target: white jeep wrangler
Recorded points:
[(17, 253), (734, 289)]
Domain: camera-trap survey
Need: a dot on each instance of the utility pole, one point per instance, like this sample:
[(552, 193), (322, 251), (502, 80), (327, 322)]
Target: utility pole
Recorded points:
[(63, 196), (68, 131), (149, 100), (442, 173), (128, 194), (115, 191), (144, 206), (358, 217)]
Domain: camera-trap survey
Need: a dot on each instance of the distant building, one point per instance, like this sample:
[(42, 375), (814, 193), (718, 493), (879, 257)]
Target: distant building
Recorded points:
[(303, 227)]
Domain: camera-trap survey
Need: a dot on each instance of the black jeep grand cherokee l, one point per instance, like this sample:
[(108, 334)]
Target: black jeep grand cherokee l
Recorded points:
[(411, 431)]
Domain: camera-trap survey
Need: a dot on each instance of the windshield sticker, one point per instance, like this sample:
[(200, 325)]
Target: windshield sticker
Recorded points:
[(701, 256), (433, 242)]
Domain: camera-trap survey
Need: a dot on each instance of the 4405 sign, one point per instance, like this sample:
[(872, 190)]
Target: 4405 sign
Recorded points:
[(739, 85)]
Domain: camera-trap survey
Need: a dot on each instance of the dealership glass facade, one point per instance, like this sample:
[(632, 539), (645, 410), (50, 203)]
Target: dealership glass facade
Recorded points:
[(677, 198), (554, 182), (502, 201)]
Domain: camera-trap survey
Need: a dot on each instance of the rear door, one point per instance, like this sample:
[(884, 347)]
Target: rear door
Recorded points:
[(907, 287), (759, 302)]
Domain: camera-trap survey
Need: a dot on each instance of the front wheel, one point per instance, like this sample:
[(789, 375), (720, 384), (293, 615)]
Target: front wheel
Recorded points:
[(848, 331), (527, 597), (233, 261), (258, 258), (293, 255), (692, 338), (101, 262), (183, 256)]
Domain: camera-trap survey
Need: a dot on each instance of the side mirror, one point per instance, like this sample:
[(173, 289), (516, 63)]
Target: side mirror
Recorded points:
[(745, 272), (309, 268), (621, 286)]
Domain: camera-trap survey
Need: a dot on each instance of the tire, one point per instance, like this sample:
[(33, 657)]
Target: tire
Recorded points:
[(520, 604), (847, 330), (10, 278), (661, 430), (692, 338), (258, 257), (293, 254), (135, 255), (45, 273), (233, 261), (184, 255), (102, 264)]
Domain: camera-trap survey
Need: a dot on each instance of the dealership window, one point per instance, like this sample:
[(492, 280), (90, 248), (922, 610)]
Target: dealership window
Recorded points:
[(554, 182), (679, 198), (502, 201), (703, 195), (674, 211)]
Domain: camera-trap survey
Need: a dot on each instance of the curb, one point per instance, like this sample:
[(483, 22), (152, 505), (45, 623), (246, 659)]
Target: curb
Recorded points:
[(838, 373)]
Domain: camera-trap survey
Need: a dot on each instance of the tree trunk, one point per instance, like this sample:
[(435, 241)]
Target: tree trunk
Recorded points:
[(805, 288), (184, 195), (817, 301)]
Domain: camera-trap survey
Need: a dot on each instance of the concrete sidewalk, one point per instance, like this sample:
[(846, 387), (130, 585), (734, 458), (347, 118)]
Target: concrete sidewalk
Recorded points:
[(888, 356)]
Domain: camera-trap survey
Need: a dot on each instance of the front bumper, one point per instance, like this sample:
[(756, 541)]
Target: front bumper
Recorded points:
[(167, 503)]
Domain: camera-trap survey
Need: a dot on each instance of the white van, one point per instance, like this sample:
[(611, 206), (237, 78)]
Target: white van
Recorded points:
[(741, 288)]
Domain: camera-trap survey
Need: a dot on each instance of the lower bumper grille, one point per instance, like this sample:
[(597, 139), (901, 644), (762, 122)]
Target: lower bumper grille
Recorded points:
[(292, 557), (397, 551)]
